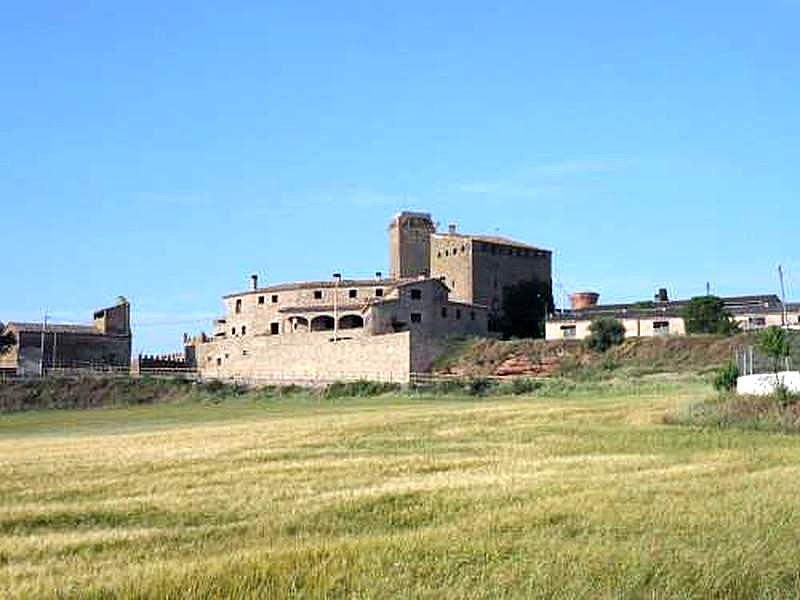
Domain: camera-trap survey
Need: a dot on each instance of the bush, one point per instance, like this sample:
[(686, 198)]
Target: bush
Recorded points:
[(346, 389), (725, 379), (707, 314), (605, 333)]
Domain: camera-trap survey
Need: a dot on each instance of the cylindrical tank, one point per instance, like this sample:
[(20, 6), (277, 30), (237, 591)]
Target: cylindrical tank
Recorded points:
[(582, 300)]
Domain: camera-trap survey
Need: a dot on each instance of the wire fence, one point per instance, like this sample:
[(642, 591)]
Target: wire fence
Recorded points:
[(750, 360)]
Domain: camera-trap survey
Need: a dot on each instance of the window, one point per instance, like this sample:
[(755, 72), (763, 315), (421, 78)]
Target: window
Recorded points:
[(233, 330), (416, 294), (317, 294), (261, 299), (472, 315), (238, 306), (244, 352), (416, 317), (569, 332), (439, 254), (379, 292), (274, 298), (444, 312), (244, 330), (352, 293), (447, 253), (463, 249), (660, 327), (227, 355), (219, 362), (274, 328), (756, 322), (209, 359), (458, 313)]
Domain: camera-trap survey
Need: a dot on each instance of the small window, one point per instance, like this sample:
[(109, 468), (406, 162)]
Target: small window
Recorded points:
[(244, 352), (379, 292), (317, 294), (416, 317), (352, 293), (444, 312), (219, 362), (569, 332), (233, 330), (238, 306), (472, 315), (416, 294), (756, 322), (244, 330), (439, 254), (458, 313), (227, 355), (274, 298), (274, 328), (209, 359), (661, 327), (463, 249), (261, 299), (447, 252)]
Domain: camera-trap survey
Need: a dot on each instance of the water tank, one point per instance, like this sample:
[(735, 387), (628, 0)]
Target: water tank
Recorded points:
[(583, 300)]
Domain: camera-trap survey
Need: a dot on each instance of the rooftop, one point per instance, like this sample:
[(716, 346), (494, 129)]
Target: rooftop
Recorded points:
[(489, 239), (737, 305), (330, 283), (53, 328)]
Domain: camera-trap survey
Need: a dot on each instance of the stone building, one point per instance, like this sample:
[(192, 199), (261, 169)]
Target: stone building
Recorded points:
[(42, 346), (664, 317), (440, 286), (478, 269)]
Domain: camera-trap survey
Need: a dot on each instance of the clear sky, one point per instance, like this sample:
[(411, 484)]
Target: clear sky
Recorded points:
[(165, 150)]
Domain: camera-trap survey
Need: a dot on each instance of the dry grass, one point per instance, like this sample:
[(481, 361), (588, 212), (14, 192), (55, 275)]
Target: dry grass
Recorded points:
[(583, 495)]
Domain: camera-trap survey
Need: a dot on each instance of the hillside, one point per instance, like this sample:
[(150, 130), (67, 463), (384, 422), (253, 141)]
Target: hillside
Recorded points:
[(696, 354)]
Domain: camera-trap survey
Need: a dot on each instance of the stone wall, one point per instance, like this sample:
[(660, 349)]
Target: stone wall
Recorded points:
[(308, 357), (451, 258), (72, 350), (410, 245)]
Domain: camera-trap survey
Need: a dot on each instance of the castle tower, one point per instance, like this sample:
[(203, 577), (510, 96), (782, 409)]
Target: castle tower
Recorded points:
[(410, 244)]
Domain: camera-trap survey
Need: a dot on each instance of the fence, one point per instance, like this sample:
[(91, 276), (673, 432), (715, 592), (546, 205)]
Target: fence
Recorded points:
[(751, 361)]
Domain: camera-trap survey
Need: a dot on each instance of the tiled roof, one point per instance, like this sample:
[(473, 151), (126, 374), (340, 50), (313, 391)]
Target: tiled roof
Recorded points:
[(300, 285), (491, 239)]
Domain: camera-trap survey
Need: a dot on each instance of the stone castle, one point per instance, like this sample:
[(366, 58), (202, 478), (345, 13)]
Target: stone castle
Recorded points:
[(441, 285), (39, 347)]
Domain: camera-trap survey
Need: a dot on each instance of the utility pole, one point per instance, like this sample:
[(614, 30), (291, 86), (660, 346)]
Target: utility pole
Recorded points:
[(337, 279), (783, 297), (41, 345)]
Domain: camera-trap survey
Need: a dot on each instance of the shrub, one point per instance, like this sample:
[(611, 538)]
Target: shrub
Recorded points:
[(725, 379), (346, 389), (707, 314), (774, 343), (605, 333)]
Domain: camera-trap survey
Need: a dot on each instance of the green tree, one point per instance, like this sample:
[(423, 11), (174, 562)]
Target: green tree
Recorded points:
[(773, 342), (525, 308), (6, 341), (604, 333), (707, 314)]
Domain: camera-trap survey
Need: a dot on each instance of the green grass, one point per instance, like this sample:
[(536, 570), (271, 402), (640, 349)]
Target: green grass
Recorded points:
[(577, 491)]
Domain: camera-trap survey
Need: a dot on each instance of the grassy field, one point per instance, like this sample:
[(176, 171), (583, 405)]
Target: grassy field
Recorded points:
[(584, 493)]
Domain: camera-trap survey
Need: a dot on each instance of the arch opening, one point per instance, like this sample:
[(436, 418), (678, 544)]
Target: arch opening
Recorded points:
[(322, 323)]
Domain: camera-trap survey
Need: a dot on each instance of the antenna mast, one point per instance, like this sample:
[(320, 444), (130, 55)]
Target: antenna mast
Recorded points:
[(783, 296)]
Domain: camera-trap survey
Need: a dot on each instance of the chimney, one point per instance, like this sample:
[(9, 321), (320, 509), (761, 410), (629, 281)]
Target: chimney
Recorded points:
[(451, 228), (662, 295), (253, 282)]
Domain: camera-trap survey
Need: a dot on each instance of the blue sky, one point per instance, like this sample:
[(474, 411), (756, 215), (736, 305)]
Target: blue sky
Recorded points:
[(164, 151)]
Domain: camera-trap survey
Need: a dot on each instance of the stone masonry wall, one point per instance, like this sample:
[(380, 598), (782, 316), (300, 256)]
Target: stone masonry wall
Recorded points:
[(308, 357)]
